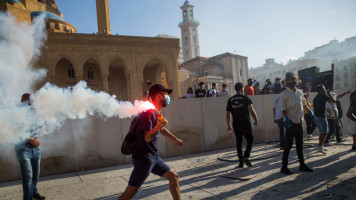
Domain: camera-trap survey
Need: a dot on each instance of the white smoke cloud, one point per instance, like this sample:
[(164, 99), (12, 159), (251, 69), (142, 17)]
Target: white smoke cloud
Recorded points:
[(20, 45)]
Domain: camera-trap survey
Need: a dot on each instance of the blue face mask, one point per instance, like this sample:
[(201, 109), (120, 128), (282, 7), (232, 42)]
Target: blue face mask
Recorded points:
[(168, 100)]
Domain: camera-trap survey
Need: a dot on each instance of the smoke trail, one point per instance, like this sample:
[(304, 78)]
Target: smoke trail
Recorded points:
[(20, 46)]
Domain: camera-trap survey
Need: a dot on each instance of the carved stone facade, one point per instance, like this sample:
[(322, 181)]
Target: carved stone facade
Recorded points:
[(119, 65)]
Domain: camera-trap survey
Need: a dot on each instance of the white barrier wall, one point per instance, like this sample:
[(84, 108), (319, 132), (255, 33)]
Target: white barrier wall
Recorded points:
[(95, 143)]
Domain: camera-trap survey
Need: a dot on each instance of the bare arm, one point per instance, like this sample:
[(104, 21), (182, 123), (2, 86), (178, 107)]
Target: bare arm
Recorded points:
[(253, 114), (169, 135), (228, 121), (342, 95), (350, 114)]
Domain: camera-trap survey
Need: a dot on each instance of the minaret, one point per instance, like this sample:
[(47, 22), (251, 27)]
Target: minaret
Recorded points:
[(189, 32), (102, 11)]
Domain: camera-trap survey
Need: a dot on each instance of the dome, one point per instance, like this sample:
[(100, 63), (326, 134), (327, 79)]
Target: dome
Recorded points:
[(15, 1), (48, 15), (187, 2)]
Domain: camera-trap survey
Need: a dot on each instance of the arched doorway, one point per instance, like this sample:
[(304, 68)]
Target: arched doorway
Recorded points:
[(64, 73), (92, 74), (117, 80), (154, 72)]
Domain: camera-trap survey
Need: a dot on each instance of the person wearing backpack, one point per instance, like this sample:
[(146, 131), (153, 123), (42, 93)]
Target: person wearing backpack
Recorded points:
[(147, 127), (334, 113), (212, 91)]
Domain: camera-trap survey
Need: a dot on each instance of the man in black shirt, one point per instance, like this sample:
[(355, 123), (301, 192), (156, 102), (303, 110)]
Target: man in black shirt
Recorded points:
[(199, 93), (144, 157), (321, 122), (240, 107), (351, 114)]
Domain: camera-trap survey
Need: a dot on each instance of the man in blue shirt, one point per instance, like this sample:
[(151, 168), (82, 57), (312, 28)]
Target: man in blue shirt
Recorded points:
[(144, 157)]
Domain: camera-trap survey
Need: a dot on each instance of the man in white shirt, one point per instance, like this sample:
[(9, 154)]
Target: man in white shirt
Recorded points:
[(212, 91), (292, 103), (279, 120), (224, 92)]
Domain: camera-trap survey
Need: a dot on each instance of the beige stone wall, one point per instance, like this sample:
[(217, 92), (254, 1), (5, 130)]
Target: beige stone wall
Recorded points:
[(94, 143), (140, 58)]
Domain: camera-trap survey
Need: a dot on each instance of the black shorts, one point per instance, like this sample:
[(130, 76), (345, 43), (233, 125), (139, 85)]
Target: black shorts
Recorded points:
[(143, 166)]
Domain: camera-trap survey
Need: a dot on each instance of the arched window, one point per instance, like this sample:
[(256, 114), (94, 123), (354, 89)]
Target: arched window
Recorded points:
[(90, 74), (196, 52), (71, 72), (187, 53), (186, 40), (195, 40)]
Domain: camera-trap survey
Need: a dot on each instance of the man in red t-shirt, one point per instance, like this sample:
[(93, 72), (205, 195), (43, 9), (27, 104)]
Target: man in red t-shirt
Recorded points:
[(248, 90)]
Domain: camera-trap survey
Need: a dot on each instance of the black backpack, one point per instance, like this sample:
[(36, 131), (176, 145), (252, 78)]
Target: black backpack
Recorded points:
[(130, 140), (338, 106)]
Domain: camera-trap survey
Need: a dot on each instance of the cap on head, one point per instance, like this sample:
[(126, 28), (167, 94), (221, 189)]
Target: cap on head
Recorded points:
[(158, 88)]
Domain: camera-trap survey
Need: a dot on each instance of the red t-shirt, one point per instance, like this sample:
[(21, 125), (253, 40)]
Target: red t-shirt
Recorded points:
[(249, 90)]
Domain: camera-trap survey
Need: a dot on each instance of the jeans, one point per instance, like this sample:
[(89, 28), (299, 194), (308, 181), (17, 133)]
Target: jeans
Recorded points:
[(334, 126), (282, 135), (29, 160), (310, 124), (294, 131), (247, 133)]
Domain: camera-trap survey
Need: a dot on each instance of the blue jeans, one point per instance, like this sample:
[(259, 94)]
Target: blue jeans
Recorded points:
[(29, 160), (282, 135)]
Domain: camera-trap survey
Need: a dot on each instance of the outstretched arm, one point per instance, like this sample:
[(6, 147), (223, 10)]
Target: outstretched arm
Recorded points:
[(169, 135), (342, 95)]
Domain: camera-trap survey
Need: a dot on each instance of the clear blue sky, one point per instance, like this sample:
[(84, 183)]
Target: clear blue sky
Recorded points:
[(259, 29)]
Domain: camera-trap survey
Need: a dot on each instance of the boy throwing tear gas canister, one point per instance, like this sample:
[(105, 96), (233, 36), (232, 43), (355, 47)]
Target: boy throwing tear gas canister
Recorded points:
[(145, 159)]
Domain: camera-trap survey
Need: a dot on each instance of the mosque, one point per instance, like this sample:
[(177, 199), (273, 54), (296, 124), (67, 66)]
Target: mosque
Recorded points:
[(119, 65)]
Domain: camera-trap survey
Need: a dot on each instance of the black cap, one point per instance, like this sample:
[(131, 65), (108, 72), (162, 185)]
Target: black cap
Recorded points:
[(289, 74), (157, 88)]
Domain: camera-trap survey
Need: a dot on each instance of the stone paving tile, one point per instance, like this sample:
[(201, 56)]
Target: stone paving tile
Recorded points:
[(201, 178)]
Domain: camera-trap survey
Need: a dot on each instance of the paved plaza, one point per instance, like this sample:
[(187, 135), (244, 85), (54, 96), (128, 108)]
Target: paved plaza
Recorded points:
[(202, 177)]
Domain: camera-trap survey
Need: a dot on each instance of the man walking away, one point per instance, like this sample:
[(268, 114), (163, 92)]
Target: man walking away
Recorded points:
[(321, 122), (240, 107), (292, 103)]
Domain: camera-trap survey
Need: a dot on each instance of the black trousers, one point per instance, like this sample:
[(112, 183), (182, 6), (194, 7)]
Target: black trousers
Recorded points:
[(247, 133), (294, 131), (310, 124)]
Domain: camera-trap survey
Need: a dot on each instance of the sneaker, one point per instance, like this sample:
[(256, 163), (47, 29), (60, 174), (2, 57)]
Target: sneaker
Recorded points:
[(325, 149), (310, 136), (281, 148), (286, 171), (305, 168), (246, 161), (341, 141), (38, 196), (320, 149), (328, 144), (241, 165)]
